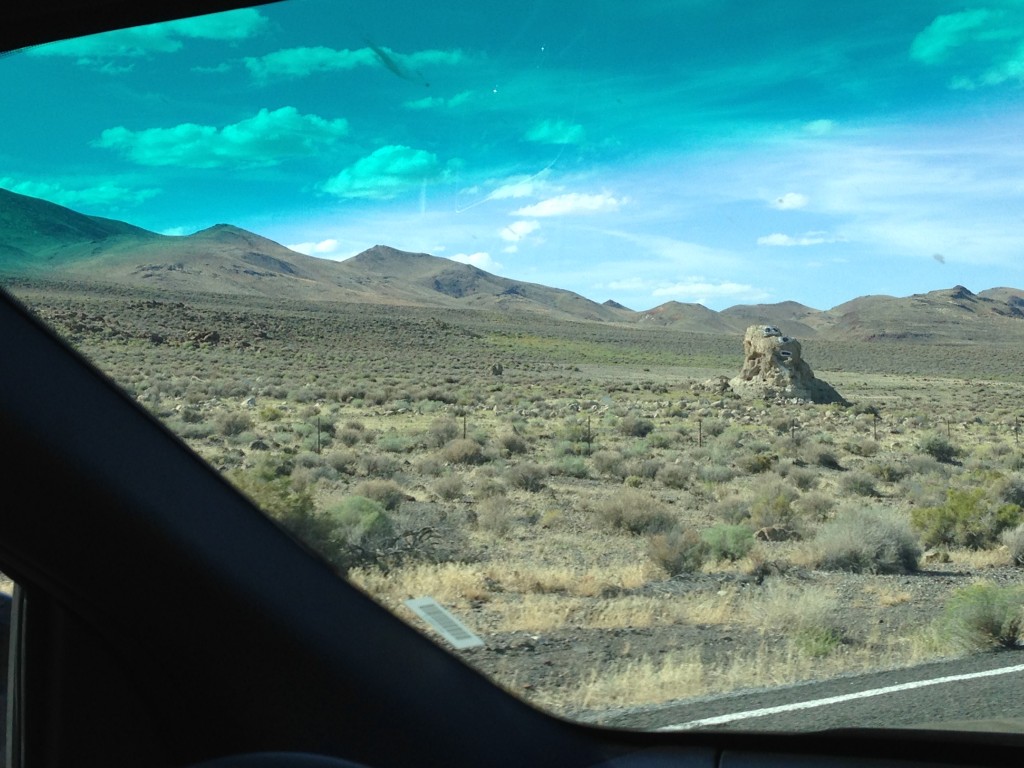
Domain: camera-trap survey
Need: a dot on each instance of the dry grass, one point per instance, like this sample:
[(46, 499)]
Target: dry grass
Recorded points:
[(545, 559), (683, 674), (885, 595)]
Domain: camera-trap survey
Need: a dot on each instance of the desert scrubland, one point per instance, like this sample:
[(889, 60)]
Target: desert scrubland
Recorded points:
[(618, 531)]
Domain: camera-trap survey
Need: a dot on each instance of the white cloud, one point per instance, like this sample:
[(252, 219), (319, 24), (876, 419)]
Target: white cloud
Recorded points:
[(106, 193), (436, 102), (166, 37), (573, 203), (265, 139), (702, 291), (522, 187), (790, 201), (819, 127), (321, 248), (385, 173), (480, 260), (811, 238), (303, 61), (517, 230), (556, 132)]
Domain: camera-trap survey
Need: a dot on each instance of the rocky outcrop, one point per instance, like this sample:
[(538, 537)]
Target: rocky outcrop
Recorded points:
[(774, 368)]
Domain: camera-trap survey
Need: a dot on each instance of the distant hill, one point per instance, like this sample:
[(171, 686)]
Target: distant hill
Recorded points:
[(797, 319), (40, 239), (687, 317), (953, 314)]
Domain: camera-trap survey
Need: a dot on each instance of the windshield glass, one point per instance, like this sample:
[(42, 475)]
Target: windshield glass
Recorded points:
[(671, 349)]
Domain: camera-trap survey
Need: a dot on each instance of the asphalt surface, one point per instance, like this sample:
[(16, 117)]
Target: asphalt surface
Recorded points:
[(979, 693)]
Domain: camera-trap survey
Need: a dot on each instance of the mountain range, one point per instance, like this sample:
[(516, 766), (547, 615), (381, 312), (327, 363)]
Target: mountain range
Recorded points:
[(39, 239)]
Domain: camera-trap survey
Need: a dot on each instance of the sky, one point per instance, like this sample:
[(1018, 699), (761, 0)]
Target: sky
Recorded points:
[(709, 151)]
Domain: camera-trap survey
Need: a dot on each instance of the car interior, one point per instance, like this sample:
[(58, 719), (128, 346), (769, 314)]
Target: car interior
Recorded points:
[(205, 635)]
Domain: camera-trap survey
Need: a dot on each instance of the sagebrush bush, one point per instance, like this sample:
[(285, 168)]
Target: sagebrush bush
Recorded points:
[(728, 542), (342, 462), (609, 463), (984, 616), (675, 475), (511, 443), (528, 476), (772, 505), (349, 437), (826, 460), (939, 448), (634, 511), (858, 483), (733, 509), (632, 425), (463, 451), (888, 471), (801, 477), (815, 505), (867, 541), (442, 431), (756, 463), (678, 551), (494, 515), (231, 423), (569, 466), (1013, 540), (449, 487), (388, 493), (360, 521), (969, 518)]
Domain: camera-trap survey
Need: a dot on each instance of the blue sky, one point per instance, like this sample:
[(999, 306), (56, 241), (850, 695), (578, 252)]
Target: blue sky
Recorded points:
[(705, 151)]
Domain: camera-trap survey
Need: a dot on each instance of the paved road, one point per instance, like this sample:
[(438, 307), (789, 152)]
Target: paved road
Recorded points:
[(986, 687)]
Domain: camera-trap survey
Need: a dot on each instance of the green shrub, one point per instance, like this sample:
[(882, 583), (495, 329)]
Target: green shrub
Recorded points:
[(675, 475), (728, 542), (802, 478), (463, 451), (493, 515), (939, 448), (756, 463), (395, 443), (858, 484), (773, 506), (276, 496), (634, 511), (449, 487), (984, 616), (632, 425), (511, 443), (815, 505), (231, 423), (1013, 539), (527, 476), (888, 471), (387, 493), (715, 474), (967, 519), (570, 466), (826, 460), (342, 462), (678, 551), (442, 431), (867, 541), (866, 447), (609, 463), (349, 436)]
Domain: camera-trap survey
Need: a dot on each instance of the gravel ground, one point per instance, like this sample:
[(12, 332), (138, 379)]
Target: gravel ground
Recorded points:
[(548, 667)]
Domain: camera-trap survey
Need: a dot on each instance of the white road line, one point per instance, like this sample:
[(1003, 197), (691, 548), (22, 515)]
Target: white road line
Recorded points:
[(722, 719)]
